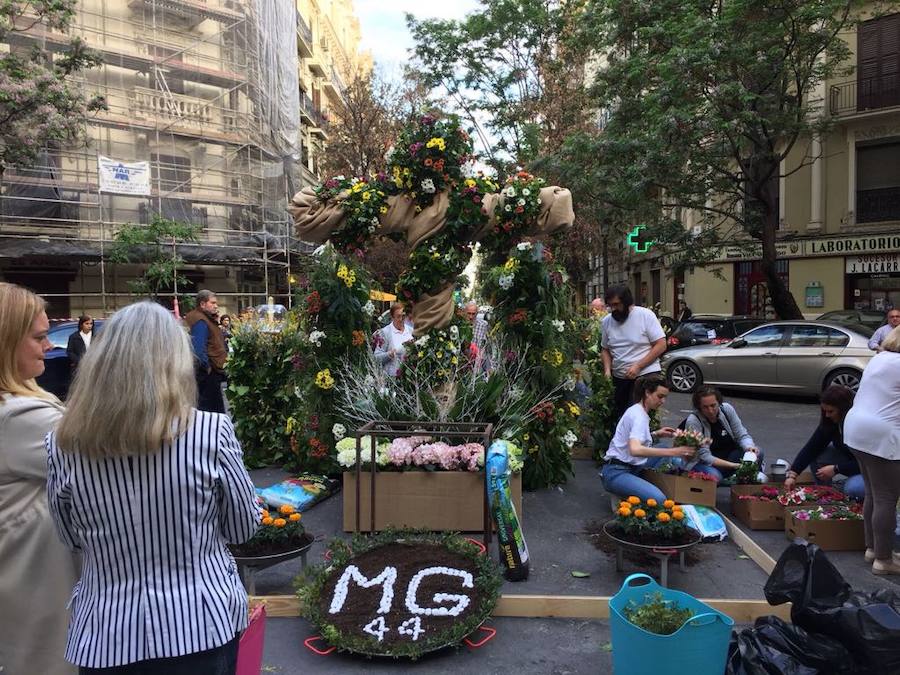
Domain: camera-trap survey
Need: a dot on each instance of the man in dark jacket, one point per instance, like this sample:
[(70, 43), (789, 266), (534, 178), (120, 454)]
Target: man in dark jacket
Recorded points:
[(209, 350)]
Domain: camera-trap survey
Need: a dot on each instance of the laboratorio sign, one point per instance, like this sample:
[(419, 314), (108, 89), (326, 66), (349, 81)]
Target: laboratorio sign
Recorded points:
[(805, 248)]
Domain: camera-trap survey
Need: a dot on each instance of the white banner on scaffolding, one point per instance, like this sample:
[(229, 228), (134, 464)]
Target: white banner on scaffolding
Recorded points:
[(124, 178)]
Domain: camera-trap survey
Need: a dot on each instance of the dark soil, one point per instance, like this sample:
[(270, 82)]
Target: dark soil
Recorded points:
[(361, 605), (600, 540), (260, 549)]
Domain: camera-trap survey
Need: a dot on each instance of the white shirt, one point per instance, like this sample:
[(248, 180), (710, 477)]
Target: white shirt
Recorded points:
[(873, 423), (86, 338), (635, 423), (392, 339), (630, 341)]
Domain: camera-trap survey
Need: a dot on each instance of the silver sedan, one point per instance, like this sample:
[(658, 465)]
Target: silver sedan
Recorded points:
[(787, 357)]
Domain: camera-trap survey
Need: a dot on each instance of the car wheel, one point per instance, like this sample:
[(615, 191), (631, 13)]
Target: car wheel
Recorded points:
[(684, 376), (846, 377)]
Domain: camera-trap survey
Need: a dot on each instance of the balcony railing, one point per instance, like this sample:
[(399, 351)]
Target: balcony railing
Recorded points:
[(878, 206), (873, 93), (305, 33), (172, 107)]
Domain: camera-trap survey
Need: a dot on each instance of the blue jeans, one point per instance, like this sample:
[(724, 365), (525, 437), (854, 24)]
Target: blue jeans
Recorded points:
[(625, 481)]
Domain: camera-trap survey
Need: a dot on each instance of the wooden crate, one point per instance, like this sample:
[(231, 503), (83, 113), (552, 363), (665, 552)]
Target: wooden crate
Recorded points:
[(755, 514), (682, 489)]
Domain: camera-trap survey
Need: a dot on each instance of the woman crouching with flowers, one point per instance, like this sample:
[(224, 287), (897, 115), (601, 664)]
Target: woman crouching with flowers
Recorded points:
[(630, 450)]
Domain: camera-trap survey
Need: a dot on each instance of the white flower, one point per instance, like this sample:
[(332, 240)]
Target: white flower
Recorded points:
[(316, 337), (428, 186), (524, 246), (341, 177), (507, 207), (339, 431), (371, 229), (454, 332), (354, 181), (526, 191), (369, 308), (569, 384), (559, 325), (510, 191), (569, 439), (389, 155), (505, 281), (520, 202), (422, 341), (539, 201)]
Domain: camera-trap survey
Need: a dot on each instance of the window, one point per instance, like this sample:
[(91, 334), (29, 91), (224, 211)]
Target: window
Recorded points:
[(878, 182), (741, 327), (767, 336), (817, 336), (173, 175), (878, 47)]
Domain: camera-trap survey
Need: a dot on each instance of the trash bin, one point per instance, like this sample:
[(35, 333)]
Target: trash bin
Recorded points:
[(699, 647)]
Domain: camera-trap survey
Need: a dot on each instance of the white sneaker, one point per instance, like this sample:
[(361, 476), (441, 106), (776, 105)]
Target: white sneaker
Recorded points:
[(884, 568), (870, 555)]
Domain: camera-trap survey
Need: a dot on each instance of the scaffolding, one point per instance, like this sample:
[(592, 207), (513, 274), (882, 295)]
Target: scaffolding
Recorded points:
[(207, 92)]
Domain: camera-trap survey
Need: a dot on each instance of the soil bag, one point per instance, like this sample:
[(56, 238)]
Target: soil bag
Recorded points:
[(301, 492), (774, 647), (867, 624), (513, 551)]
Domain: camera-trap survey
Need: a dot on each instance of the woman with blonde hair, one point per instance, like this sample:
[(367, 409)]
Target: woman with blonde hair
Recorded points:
[(37, 573), (872, 431), (150, 490)]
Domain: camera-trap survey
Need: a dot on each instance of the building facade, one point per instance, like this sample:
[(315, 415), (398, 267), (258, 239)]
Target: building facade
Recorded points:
[(209, 93), (839, 231)]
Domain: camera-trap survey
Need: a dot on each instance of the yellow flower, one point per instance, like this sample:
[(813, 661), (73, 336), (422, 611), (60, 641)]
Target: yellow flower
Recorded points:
[(511, 265), (366, 196), (664, 517), (533, 449), (640, 513), (383, 209), (634, 500), (470, 182), (624, 505), (440, 355), (279, 522), (677, 507), (651, 502), (267, 520), (294, 517), (265, 514), (324, 380), (668, 504), (623, 511), (435, 255), (286, 510), (454, 360), (421, 355), (677, 515), (438, 143)]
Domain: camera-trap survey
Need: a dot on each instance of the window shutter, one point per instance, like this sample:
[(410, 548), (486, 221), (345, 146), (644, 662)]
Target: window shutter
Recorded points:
[(878, 63)]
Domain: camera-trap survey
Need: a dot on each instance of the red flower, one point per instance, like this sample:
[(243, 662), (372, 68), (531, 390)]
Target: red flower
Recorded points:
[(520, 209)]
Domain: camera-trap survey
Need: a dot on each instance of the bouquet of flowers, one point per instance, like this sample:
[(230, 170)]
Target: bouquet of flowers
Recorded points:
[(421, 453), (811, 494), (692, 439), (831, 512), (666, 520)]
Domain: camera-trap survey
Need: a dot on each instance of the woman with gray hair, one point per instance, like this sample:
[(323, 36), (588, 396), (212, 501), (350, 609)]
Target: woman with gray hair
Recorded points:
[(872, 431), (149, 489)]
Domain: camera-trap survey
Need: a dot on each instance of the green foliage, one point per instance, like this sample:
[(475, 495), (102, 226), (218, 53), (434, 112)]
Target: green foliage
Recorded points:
[(656, 614), (40, 104), (155, 245), (747, 474)]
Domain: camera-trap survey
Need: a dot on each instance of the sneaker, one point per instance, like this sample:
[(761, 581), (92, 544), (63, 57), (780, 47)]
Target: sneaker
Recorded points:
[(883, 568), (870, 556)]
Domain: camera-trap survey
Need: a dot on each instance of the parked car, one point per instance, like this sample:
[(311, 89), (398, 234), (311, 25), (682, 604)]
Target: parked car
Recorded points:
[(788, 357), (57, 372), (865, 317), (706, 329)]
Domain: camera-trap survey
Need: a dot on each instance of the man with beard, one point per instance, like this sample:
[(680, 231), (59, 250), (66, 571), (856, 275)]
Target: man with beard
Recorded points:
[(210, 351), (632, 341)]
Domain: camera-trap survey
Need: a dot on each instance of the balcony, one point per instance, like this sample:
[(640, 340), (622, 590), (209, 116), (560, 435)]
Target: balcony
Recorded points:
[(307, 109), (862, 96), (195, 11), (188, 111), (304, 37), (334, 86), (317, 66), (878, 206)]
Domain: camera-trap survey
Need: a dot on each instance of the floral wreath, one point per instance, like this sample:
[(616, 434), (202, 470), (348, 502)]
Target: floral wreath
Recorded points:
[(315, 585)]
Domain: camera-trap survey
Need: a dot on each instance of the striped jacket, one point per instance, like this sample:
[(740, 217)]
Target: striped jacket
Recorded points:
[(157, 579)]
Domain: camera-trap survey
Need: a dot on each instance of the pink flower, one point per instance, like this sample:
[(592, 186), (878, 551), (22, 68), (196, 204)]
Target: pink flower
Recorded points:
[(801, 515)]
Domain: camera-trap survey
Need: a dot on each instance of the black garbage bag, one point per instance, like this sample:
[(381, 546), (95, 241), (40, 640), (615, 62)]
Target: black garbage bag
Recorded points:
[(867, 624), (774, 647)]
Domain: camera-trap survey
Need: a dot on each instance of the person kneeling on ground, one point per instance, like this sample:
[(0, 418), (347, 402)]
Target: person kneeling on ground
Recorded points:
[(630, 450), (717, 420), (825, 452)]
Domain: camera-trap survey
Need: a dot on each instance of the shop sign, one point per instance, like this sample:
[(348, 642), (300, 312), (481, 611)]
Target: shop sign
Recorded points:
[(873, 264), (844, 245)]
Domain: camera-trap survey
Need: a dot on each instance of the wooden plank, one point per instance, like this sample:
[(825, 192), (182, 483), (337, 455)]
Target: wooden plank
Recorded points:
[(747, 545), (558, 606)]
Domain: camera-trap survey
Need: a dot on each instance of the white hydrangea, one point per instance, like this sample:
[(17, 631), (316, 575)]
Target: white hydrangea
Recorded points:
[(505, 281), (559, 325), (369, 308), (524, 246), (428, 186), (339, 431), (316, 337)]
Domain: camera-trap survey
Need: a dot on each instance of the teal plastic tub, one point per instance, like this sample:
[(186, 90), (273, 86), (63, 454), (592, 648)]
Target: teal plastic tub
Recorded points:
[(699, 647)]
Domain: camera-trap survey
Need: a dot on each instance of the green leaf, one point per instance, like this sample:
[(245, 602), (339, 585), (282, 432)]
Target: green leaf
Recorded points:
[(580, 575)]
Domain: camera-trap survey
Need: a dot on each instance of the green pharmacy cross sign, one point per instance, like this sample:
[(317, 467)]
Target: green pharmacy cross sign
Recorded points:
[(637, 240)]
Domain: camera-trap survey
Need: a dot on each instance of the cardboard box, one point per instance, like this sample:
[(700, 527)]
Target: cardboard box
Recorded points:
[(829, 535), (444, 501), (682, 489), (755, 514)]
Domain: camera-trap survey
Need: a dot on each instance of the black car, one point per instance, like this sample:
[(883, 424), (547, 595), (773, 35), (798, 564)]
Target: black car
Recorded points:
[(57, 371), (710, 329)]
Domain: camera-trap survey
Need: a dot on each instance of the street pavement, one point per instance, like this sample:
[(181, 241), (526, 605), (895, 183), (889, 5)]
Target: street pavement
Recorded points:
[(558, 523)]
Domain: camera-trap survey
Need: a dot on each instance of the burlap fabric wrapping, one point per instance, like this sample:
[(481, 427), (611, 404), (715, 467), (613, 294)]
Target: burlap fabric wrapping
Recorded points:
[(316, 221)]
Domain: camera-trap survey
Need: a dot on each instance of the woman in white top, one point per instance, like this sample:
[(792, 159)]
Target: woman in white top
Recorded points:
[(150, 490), (630, 450), (390, 341), (37, 572), (872, 431)]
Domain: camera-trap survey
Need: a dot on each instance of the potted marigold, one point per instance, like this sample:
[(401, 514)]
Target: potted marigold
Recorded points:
[(650, 523), (280, 533)]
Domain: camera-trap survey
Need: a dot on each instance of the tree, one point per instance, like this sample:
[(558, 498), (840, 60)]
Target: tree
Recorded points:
[(513, 70), (706, 99), (39, 105), (156, 245)]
